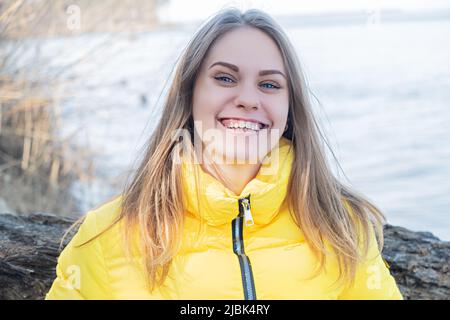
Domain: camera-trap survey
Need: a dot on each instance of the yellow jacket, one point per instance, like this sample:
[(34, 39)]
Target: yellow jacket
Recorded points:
[(221, 257)]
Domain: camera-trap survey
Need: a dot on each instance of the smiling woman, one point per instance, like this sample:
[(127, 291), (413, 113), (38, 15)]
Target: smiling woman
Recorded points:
[(253, 101), (242, 204)]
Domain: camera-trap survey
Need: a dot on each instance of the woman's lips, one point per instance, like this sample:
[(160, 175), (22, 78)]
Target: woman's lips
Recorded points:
[(244, 131)]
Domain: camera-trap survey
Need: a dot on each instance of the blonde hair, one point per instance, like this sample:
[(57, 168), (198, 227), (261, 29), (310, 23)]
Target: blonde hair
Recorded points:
[(328, 213)]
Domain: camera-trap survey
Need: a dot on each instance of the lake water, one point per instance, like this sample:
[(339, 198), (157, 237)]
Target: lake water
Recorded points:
[(383, 100)]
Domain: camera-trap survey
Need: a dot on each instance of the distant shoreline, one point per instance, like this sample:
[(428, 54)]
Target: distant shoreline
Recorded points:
[(338, 18)]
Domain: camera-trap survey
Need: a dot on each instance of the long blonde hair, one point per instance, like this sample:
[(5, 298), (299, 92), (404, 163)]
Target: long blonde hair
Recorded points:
[(328, 213)]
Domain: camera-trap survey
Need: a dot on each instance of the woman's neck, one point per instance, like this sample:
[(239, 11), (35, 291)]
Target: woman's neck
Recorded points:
[(234, 177)]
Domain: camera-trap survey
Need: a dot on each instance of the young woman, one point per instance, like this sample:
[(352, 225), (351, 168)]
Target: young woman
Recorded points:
[(234, 198)]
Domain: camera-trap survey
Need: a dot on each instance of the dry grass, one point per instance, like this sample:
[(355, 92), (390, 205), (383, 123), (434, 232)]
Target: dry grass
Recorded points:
[(37, 164)]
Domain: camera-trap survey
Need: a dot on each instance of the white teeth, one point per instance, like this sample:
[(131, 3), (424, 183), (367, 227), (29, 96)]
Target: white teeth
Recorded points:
[(244, 124)]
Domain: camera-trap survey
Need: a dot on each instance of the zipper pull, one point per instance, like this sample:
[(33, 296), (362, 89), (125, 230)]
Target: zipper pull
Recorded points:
[(248, 218)]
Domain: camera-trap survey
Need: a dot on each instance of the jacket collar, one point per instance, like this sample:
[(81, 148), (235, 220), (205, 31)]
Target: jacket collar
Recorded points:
[(218, 205)]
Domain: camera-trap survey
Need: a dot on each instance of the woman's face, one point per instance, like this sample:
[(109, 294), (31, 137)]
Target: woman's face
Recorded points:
[(240, 98)]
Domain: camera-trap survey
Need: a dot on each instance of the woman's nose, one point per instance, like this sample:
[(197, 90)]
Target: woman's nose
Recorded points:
[(248, 98)]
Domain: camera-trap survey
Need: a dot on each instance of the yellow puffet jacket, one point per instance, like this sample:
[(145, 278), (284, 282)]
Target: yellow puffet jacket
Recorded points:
[(233, 247)]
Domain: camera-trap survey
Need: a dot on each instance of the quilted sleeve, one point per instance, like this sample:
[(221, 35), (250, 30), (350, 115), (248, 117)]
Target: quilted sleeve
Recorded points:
[(373, 279), (81, 272)]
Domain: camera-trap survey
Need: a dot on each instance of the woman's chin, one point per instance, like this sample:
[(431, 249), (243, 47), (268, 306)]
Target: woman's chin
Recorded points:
[(238, 157)]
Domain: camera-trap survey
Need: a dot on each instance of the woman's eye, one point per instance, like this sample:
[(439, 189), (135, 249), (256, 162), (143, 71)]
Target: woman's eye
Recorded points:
[(272, 86), (229, 80), (222, 78)]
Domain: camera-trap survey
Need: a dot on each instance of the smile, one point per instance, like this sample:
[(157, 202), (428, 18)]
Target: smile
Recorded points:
[(244, 125)]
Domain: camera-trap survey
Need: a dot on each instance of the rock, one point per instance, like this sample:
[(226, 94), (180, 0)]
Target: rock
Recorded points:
[(29, 247), (419, 263)]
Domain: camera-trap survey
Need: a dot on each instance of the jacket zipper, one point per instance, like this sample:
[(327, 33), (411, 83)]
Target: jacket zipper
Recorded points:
[(238, 247)]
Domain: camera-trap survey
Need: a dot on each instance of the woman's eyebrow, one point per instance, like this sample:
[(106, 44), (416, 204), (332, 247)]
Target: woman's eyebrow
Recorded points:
[(236, 69)]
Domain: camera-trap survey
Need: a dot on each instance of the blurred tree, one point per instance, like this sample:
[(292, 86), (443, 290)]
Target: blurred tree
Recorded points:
[(32, 18)]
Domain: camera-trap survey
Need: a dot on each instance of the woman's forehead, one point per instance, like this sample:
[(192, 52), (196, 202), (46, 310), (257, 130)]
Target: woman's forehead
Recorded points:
[(246, 48)]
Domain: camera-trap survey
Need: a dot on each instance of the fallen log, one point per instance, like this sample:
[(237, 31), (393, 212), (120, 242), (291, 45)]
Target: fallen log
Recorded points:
[(29, 248)]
